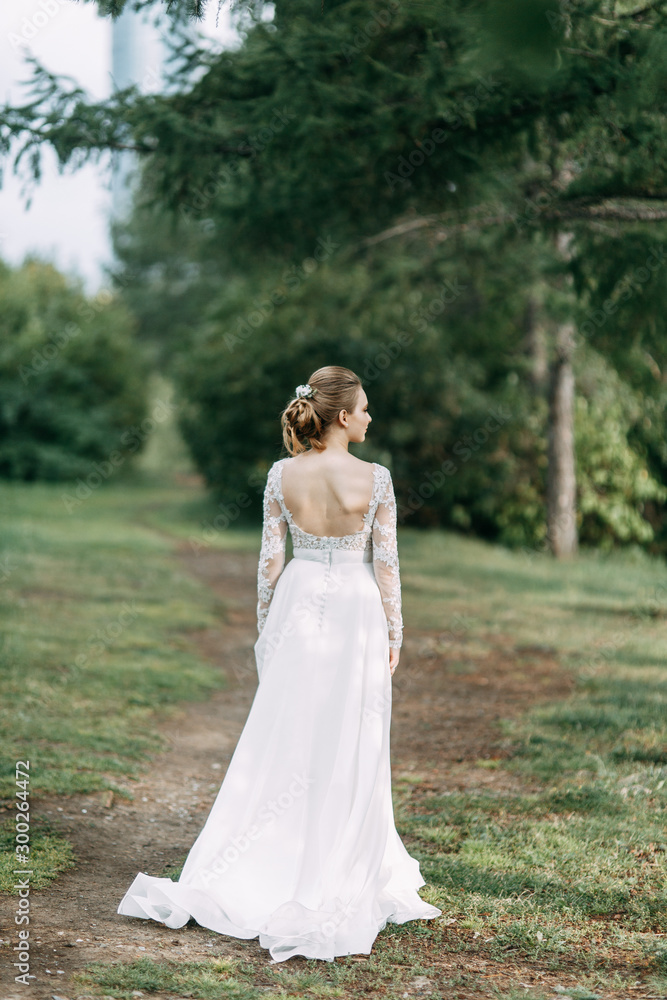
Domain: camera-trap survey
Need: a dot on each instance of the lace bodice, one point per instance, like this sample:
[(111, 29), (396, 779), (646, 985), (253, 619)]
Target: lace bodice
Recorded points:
[(378, 536)]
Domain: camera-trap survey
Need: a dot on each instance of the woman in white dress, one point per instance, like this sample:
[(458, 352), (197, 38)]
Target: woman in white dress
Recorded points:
[(300, 847)]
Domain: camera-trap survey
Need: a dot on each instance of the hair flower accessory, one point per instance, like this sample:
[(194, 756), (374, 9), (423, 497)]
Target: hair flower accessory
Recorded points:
[(305, 391)]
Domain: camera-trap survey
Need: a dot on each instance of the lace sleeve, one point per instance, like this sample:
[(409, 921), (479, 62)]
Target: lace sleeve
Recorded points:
[(272, 553), (385, 559)]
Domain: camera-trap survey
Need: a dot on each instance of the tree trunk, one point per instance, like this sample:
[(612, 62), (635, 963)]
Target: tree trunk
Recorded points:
[(535, 344), (561, 477)]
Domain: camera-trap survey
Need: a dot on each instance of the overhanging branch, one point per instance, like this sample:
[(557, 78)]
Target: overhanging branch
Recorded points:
[(637, 209)]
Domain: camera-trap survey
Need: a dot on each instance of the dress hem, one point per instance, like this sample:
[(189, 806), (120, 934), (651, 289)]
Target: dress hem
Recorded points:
[(153, 898)]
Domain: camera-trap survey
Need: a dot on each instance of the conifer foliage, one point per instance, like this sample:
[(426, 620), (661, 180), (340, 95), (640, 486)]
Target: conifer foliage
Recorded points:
[(422, 142)]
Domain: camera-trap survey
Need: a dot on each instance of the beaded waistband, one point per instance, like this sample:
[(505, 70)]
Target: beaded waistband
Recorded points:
[(331, 554)]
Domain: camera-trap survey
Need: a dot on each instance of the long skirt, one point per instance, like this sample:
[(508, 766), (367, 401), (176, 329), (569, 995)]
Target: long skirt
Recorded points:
[(300, 847)]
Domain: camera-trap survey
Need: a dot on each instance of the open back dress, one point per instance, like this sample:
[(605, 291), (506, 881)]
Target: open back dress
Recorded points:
[(300, 847)]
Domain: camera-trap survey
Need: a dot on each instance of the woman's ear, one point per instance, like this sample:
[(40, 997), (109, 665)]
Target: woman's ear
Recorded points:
[(342, 418)]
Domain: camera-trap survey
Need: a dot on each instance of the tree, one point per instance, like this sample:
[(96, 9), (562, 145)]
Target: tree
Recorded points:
[(72, 401), (369, 123), (166, 276)]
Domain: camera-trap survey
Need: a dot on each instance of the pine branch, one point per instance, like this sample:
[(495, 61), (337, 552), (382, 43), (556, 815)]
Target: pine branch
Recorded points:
[(630, 209), (618, 211), (639, 11)]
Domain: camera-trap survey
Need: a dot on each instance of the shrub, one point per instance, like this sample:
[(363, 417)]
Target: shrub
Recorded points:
[(71, 379)]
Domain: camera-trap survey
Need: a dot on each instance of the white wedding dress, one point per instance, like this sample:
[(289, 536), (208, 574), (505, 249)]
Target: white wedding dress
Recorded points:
[(300, 846)]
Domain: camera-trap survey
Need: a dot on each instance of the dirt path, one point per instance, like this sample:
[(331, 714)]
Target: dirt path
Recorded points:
[(443, 722)]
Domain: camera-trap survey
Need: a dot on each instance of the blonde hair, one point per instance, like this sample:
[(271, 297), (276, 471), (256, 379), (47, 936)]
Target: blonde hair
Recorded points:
[(305, 419)]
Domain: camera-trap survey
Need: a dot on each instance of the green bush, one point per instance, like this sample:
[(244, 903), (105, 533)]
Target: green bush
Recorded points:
[(246, 358), (449, 427), (614, 480), (71, 379), (453, 416)]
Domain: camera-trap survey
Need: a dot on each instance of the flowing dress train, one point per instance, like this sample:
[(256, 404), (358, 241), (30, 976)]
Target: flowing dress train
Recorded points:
[(300, 848)]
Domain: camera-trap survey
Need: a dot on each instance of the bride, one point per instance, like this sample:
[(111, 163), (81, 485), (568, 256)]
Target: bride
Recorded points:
[(300, 847)]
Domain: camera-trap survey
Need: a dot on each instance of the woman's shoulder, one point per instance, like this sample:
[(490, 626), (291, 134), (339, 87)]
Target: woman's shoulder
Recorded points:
[(371, 466), (274, 474), (381, 476), (381, 469), (378, 471)]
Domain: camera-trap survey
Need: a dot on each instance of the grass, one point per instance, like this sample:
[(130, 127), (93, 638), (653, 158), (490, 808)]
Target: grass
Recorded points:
[(96, 638), (576, 873), (388, 972), (566, 876), (570, 878), (546, 876), (50, 854)]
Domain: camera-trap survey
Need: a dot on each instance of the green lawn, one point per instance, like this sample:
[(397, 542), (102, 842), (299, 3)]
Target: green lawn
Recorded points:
[(96, 649), (577, 872), (96, 619)]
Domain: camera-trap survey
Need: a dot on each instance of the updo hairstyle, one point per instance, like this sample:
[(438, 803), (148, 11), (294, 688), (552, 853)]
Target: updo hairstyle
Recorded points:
[(304, 420)]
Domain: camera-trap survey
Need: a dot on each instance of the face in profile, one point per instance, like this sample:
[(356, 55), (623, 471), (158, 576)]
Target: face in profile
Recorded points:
[(359, 419)]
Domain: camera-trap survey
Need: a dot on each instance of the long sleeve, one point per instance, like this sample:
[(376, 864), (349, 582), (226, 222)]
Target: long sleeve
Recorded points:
[(272, 553), (385, 560)]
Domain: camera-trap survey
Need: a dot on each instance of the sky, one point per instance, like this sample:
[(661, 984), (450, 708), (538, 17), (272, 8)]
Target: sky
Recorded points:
[(68, 218)]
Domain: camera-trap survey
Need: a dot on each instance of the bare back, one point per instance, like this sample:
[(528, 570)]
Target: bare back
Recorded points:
[(327, 493)]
